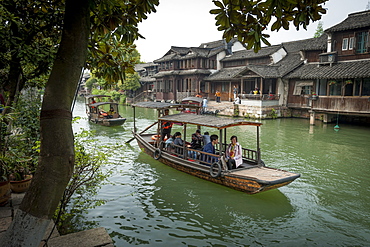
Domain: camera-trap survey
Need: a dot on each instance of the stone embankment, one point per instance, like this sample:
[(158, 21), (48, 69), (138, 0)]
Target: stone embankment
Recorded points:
[(89, 238)]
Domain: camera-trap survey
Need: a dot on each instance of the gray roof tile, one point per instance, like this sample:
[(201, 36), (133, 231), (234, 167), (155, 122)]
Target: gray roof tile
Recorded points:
[(178, 53), (353, 21), (343, 70), (225, 74), (319, 43), (249, 54), (181, 72)]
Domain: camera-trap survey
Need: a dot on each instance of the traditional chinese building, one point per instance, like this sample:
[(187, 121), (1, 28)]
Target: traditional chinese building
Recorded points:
[(317, 78), (182, 69), (336, 81)]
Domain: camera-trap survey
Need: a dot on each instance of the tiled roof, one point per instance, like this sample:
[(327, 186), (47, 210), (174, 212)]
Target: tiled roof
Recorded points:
[(178, 53), (213, 44), (248, 54), (319, 43), (353, 21), (343, 70), (142, 66), (147, 79), (215, 51), (290, 62), (139, 67), (150, 64), (181, 72), (287, 64), (225, 74), (265, 71)]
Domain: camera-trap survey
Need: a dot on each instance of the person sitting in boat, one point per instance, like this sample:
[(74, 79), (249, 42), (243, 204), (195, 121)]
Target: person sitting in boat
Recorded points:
[(210, 148), (194, 144), (166, 127), (178, 142), (103, 113), (168, 144), (234, 154), (110, 113), (199, 141), (92, 102), (206, 138)]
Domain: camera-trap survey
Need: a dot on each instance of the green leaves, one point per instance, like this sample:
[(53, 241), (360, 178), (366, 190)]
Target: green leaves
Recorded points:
[(247, 20), (114, 29)]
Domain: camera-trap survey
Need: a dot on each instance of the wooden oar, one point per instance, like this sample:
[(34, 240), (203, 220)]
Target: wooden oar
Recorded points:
[(142, 131)]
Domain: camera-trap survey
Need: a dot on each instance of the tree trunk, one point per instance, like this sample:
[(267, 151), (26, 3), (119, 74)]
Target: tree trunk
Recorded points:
[(57, 144)]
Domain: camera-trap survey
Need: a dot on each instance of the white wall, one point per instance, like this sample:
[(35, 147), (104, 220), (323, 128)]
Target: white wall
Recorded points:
[(277, 56)]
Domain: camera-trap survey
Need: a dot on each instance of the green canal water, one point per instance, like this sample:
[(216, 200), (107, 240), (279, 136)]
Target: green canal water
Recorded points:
[(150, 204)]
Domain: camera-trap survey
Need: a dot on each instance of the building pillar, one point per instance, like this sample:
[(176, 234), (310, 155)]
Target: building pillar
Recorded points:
[(312, 117), (230, 92), (241, 89)]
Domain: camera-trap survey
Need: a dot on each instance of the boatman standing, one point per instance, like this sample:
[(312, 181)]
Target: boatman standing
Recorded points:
[(166, 127)]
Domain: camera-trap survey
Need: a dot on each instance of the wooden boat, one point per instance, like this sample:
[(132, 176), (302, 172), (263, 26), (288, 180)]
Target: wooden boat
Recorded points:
[(251, 177), (103, 113), (196, 101)]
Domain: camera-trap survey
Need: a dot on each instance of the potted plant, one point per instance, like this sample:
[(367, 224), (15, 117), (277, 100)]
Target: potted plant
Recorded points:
[(17, 170), (4, 183), (314, 96), (20, 175)]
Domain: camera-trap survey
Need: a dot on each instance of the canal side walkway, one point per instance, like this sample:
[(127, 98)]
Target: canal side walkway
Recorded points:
[(223, 108), (89, 238)]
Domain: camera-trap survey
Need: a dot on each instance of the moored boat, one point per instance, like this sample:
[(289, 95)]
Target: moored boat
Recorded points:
[(252, 176), (103, 113)]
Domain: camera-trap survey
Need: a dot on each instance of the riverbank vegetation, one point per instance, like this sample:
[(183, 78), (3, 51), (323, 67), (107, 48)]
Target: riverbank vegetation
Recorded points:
[(19, 153), (88, 176)]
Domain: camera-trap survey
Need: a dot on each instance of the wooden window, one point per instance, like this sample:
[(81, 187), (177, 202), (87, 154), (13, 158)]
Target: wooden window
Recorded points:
[(365, 87), (224, 87), (345, 44), (357, 85), (322, 87), (303, 85), (362, 42), (351, 43), (335, 87)]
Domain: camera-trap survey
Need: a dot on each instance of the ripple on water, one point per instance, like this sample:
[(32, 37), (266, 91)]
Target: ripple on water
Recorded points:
[(154, 205)]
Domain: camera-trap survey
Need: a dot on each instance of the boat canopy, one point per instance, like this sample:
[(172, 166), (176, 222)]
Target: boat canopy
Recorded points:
[(155, 105), (164, 105), (192, 100), (96, 96), (207, 120), (102, 103)]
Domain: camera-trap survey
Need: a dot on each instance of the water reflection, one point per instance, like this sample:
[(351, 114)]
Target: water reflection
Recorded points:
[(175, 207), (154, 205)]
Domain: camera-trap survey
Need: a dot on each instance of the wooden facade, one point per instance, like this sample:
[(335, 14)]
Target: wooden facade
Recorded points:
[(334, 67), (182, 69), (338, 80)]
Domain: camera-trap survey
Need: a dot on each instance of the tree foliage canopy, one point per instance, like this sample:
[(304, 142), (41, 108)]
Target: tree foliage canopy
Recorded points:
[(247, 20), (319, 30), (30, 32)]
